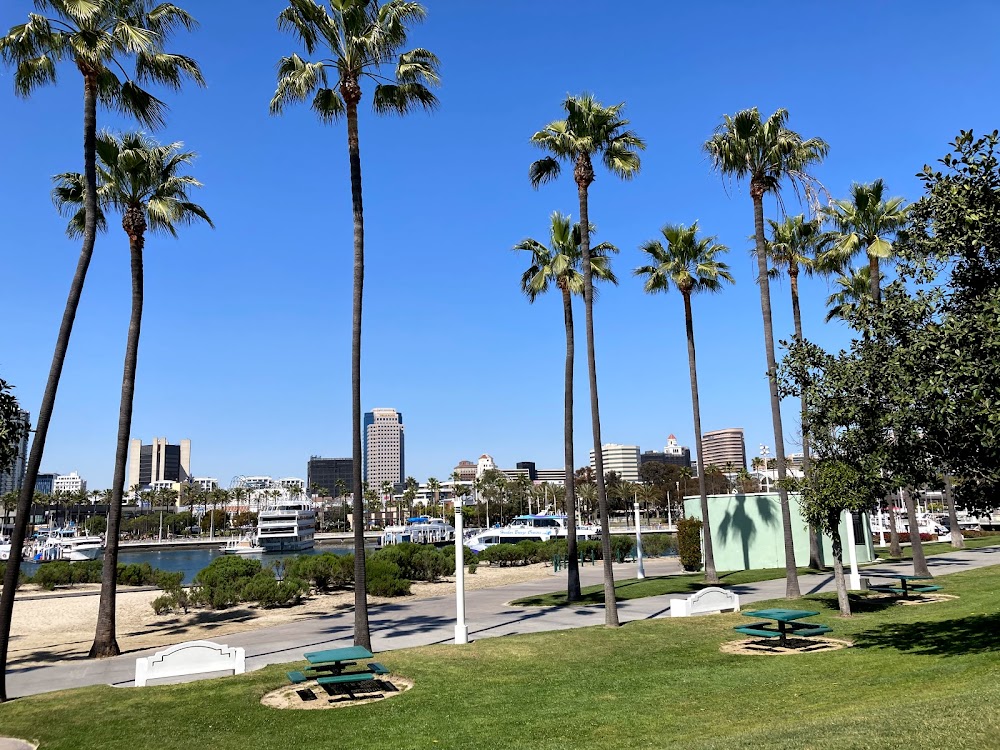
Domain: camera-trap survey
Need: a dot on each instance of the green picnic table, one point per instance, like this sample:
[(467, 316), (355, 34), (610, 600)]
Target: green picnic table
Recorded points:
[(335, 660), (904, 588), (787, 621)]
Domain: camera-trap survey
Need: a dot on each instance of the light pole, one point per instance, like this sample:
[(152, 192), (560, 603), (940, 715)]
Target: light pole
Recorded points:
[(852, 554), (641, 573), (461, 629), (764, 453)]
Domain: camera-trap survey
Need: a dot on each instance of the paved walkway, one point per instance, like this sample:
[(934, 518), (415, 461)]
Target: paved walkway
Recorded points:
[(420, 622)]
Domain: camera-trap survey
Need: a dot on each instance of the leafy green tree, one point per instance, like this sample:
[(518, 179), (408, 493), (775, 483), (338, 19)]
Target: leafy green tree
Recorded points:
[(363, 38), (13, 427), (98, 37), (590, 130), (767, 152), (864, 224), (559, 264), (145, 182), (688, 263)]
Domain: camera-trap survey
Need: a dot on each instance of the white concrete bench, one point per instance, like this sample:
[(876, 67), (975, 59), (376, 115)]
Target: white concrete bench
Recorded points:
[(190, 658), (711, 600)]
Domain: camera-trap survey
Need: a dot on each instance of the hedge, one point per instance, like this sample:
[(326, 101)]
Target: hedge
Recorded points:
[(689, 543)]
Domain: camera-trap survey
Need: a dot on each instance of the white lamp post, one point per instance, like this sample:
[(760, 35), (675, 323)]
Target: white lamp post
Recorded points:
[(852, 554), (638, 544), (461, 629)]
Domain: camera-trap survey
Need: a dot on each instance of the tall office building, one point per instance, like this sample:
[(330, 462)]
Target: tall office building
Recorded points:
[(12, 479), (71, 482), (723, 447), (326, 472), (674, 454), (466, 471), (158, 462), (621, 459), (45, 483), (382, 439)]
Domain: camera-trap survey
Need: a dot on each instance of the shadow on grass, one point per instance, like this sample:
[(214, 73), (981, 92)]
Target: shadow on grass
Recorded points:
[(859, 604), (976, 634)]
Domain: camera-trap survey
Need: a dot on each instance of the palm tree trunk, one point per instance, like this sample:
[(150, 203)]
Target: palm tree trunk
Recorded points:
[(573, 593), (27, 492), (362, 634), (791, 576), (838, 569), (957, 541), (815, 551), (875, 281), (610, 604), (710, 574), (916, 547), (105, 639)]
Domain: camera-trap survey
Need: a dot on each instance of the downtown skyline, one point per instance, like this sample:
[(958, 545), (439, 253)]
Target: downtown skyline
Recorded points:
[(247, 327)]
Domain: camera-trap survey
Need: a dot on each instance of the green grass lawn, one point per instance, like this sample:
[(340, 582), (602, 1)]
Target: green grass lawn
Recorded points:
[(920, 677)]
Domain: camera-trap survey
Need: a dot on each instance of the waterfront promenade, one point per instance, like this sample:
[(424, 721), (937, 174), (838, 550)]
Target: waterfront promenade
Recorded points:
[(419, 622)]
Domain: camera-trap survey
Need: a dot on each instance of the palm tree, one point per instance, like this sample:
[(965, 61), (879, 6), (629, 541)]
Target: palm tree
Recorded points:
[(97, 37), (863, 224), (689, 264), (144, 181), (851, 289), (794, 246), (362, 37), (435, 487), (559, 264), (766, 152), (409, 494), (590, 130)]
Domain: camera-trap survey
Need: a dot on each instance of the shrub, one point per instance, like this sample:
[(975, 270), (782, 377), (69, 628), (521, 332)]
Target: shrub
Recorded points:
[(53, 574), (689, 543), (162, 604), (473, 563), (904, 537), (21, 577), (622, 546), (658, 545), (418, 562), (223, 580), (176, 599), (263, 588), (323, 571), (385, 578)]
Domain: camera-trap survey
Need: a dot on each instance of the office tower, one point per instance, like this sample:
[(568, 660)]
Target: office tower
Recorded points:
[(723, 447), (673, 454), (466, 471), (621, 459), (45, 483), (382, 439), (158, 462), (71, 482), (12, 479), (325, 472)]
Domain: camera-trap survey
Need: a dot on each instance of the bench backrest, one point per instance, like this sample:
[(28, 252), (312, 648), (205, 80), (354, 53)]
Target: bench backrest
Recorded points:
[(192, 657), (711, 599)]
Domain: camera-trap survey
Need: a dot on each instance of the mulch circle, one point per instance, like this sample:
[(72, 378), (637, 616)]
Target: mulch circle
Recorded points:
[(769, 647), (309, 696), (926, 599)]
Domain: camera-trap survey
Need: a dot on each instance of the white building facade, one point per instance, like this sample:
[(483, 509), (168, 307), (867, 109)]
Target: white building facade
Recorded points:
[(71, 482), (621, 459)]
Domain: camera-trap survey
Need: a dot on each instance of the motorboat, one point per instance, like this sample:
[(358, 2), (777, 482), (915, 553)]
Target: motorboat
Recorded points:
[(287, 526), (60, 546), (419, 530), (541, 527), (4, 550), (244, 545)]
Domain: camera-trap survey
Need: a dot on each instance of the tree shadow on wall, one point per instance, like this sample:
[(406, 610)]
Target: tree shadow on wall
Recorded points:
[(739, 524), (976, 634)]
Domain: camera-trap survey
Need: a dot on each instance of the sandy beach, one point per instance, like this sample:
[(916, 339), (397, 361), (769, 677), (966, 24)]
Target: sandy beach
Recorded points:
[(55, 627)]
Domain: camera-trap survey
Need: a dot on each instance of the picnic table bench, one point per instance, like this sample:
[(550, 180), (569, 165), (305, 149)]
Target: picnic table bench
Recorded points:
[(787, 624), (327, 667), (905, 587)]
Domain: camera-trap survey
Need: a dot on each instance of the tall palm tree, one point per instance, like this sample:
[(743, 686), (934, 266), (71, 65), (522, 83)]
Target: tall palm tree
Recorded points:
[(434, 485), (363, 38), (590, 130), (145, 183), (766, 152), (851, 287), (794, 246), (864, 224), (98, 37), (689, 264), (559, 264)]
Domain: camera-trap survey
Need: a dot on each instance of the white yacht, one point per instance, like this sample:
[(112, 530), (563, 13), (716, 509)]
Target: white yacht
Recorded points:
[(287, 526), (59, 546), (245, 545), (419, 530), (533, 528)]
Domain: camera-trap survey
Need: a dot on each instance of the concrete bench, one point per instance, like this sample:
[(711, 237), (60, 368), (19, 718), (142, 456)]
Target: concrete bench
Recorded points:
[(710, 600), (190, 658)]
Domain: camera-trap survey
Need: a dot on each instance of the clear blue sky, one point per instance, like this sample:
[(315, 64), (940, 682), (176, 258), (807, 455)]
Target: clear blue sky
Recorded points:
[(246, 331)]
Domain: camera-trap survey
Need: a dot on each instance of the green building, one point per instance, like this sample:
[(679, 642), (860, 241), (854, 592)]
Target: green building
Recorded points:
[(747, 535)]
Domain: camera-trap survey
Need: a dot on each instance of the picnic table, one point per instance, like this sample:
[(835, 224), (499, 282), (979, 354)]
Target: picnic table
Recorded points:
[(335, 660), (787, 624), (327, 667), (905, 584)]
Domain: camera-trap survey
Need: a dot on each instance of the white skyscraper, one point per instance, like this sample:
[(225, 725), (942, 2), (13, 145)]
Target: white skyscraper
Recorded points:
[(621, 459), (382, 439)]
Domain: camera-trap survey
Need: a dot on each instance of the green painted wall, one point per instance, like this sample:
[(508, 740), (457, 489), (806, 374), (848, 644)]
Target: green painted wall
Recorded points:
[(746, 532)]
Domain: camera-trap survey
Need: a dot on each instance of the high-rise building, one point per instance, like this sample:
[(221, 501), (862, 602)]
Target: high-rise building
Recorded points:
[(530, 467), (12, 479), (383, 448), (45, 483), (621, 459), (674, 454), (71, 482), (158, 462), (723, 447), (466, 471), (326, 472)]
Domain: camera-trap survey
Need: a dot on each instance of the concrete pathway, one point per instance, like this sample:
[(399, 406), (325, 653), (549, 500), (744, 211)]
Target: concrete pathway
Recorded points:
[(420, 622), (9, 743)]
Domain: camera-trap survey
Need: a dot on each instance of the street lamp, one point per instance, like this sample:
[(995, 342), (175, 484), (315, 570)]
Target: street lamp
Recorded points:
[(461, 629)]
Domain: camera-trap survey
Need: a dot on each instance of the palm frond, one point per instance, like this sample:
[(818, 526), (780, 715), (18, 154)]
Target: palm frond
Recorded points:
[(402, 98), (297, 79)]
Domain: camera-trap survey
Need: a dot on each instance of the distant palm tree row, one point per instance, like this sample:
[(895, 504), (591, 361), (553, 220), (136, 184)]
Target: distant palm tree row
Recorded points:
[(745, 146)]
